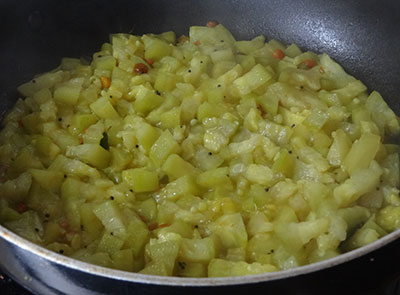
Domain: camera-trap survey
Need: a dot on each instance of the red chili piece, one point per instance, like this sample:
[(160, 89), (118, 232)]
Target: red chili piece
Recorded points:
[(211, 24), (263, 113), (143, 218), (309, 63), (153, 225), (21, 207), (164, 225), (278, 54), (140, 68)]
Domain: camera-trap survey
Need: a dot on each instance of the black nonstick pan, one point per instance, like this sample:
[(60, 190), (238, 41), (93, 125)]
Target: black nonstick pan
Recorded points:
[(364, 36)]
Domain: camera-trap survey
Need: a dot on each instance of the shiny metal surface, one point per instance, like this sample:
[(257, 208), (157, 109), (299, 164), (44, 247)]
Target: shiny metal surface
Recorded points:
[(362, 35), (45, 272)]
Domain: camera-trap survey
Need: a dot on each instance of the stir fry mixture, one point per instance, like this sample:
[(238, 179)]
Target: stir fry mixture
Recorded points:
[(199, 156)]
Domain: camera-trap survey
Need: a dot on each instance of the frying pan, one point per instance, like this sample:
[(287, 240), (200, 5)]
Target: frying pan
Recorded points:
[(361, 35)]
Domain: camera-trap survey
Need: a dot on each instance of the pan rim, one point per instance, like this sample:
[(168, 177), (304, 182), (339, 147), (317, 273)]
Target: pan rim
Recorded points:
[(133, 277)]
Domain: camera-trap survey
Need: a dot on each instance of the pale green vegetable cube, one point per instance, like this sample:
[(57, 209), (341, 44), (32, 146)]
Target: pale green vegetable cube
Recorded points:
[(208, 110), (48, 179), (257, 76), (75, 167), (176, 167), (147, 135), (137, 236), (147, 209), (361, 237), (170, 64), (155, 48), (389, 218), (171, 118), (269, 103), (103, 108), (94, 133), (360, 182), (247, 47), (48, 111), (362, 152), (309, 155), (259, 223), (141, 179), (71, 198), (32, 122), (90, 222), (316, 119), (284, 163), (104, 63), (381, 114), (335, 72), (28, 226), (245, 146), (80, 122), (47, 80), (146, 100), (46, 147), (350, 91), (225, 54), (123, 260), (69, 93), (292, 50), (25, 160), (295, 235), (205, 161), (182, 228), (260, 174), (391, 171), (299, 77), (16, 189), (214, 140), (98, 258), (165, 81), (109, 243), (213, 178), (52, 232), (119, 158), (354, 216), (111, 218), (215, 95), (279, 134), (339, 148), (247, 62), (197, 250), (92, 154), (211, 36), (156, 268), (231, 230), (164, 252), (185, 185), (7, 213), (163, 147)]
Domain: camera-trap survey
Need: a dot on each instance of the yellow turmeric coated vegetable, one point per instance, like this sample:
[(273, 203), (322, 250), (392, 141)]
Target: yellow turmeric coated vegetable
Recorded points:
[(207, 157)]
